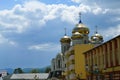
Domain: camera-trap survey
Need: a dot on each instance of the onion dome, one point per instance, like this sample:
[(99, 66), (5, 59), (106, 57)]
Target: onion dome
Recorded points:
[(76, 35), (96, 38), (65, 39), (80, 27), (59, 55)]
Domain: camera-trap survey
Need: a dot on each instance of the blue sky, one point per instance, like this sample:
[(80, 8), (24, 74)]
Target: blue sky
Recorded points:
[(30, 30)]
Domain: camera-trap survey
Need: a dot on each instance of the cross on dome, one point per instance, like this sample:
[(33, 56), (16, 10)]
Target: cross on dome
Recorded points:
[(65, 31), (96, 29), (80, 17)]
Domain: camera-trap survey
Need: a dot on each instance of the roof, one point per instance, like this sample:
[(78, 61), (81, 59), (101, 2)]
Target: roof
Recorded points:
[(7, 77), (29, 76), (55, 74), (102, 44)]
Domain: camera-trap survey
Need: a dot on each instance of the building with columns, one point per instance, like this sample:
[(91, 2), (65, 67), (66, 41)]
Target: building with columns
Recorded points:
[(103, 62), (71, 59)]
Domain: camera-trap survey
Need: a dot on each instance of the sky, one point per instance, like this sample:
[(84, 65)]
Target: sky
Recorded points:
[(30, 30)]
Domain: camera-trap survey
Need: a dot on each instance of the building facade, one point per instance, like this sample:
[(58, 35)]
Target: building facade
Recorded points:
[(57, 62), (103, 61), (3, 73), (27, 76), (72, 62), (75, 62)]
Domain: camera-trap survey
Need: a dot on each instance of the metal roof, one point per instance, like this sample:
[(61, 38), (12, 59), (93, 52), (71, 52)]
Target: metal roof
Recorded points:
[(30, 76)]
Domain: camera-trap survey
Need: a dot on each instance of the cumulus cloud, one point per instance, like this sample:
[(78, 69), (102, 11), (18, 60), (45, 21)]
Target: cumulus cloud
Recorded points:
[(33, 12), (45, 47), (76, 1), (79, 1), (4, 40), (96, 9)]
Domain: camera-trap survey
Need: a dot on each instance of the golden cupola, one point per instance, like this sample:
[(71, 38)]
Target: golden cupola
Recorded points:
[(76, 35), (80, 33), (97, 38), (65, 43), (65, 38), (80, 27)]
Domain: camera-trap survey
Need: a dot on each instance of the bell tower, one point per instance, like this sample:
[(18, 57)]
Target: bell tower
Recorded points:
[(65, 43)]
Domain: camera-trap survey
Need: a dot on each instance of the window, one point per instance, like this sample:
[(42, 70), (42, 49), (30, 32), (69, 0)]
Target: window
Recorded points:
[(85, 41), (59, 64)]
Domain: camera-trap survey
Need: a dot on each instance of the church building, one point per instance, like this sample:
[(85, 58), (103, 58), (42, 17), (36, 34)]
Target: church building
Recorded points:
[(71, 60)]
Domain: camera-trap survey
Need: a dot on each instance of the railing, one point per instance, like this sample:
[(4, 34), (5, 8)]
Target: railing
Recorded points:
[(72, 66), (71, 57)]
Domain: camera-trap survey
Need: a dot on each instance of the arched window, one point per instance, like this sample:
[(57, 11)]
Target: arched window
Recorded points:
[(59, 64)]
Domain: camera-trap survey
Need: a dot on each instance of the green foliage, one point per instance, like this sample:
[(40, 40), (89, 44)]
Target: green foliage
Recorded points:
[(47, 70), (17, 70), (35, 71)]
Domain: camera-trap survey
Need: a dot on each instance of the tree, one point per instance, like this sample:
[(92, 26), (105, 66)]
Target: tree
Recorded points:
[(47, 70), (18, 70), (35, 71)]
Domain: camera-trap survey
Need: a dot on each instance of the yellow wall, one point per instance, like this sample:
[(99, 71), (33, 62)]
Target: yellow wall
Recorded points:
[(79, 59), (99, 54)]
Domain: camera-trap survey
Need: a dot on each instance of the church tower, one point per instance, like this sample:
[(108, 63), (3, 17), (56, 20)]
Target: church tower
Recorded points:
[(96, 38), (65, 43), (80, 33)]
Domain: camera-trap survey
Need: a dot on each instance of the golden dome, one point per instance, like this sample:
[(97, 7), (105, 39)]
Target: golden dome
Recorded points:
[(65, 39), (81, 28), (77, 35), (97, 37), (59, 54)]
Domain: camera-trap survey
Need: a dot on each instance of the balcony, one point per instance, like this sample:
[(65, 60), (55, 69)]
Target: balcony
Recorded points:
[(71, 57), (72, 62), (72, 76), (71, 67)]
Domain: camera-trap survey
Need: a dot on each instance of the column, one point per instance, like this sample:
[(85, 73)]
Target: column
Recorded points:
[(108, 54), (118, 49)]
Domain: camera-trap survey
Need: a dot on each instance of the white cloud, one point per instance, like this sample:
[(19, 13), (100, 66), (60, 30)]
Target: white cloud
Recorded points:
[(84, 8), (115, 19), (33, 12), (13, 43), (9, 20), (4, 40), (45, 47), (96, 9), (76, 1), (79, 1)]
